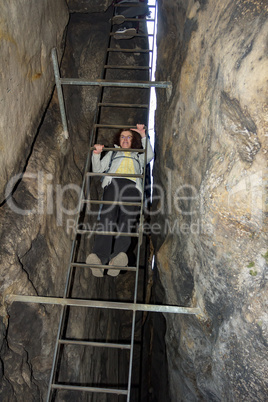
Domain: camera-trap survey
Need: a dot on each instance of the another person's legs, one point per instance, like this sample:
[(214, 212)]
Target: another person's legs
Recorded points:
[(130, 27), (140, 8), (130, 12)]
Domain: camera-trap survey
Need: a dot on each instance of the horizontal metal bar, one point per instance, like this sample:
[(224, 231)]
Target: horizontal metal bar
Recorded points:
[(98, 125), (127, 84), (81, 264), (134, 204), (136, 20), (115, 174), (59, 91), (112, 49), (134, 35), (107, 233), (89, 389), (104, 304), (127, 67), (96, 344), (140, 150), (134, 105), (134, 5)]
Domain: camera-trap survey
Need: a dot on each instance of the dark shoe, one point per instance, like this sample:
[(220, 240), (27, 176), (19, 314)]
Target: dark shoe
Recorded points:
[(120, 260), (125, 33), (94, 260)]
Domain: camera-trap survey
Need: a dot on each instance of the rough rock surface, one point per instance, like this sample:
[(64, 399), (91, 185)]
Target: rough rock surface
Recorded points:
[(212, 164), (28, 32), (88, 6)]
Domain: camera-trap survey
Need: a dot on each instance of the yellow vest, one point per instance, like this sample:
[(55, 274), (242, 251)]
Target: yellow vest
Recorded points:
[(127, 166)]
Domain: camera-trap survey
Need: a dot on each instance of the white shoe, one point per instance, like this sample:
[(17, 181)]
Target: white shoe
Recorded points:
[(118, 19), (120, 260), (125, 33), (93, 259)]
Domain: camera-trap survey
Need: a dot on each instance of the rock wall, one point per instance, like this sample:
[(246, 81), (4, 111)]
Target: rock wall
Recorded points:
[(211, 169), (88, 6), (28, 32)]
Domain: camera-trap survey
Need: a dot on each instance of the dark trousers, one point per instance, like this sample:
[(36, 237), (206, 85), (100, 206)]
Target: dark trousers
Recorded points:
[(131, 12), (119, 218)]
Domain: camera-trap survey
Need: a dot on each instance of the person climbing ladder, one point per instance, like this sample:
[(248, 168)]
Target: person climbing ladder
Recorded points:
[(119, 217), (133, 8)]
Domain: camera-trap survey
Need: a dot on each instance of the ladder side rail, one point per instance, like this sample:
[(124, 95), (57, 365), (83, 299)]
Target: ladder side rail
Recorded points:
[(55, 356), (131, 354), (137, 273), (154, 41), (143, 179), (151, 77), (141, 226), (138, 251)]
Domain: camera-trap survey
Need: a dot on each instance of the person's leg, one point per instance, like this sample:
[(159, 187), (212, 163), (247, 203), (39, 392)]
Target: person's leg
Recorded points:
[(103, 243), (131, 12), (127, 219), (129, 28), (127, 216)]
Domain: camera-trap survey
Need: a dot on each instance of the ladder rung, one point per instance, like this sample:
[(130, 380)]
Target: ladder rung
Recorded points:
[(140, 150), (127, 67), (115, 175), (106, 104), (81, 264), (112, 49), (134, 204), (89, 389), (134, 5), (96, 344), (107, 233), (135, 35), (114, 83), (112, 126), (138, 19)]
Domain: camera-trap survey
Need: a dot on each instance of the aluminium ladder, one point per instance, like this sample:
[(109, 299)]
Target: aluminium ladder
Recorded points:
[(86, 201), (104, 83)]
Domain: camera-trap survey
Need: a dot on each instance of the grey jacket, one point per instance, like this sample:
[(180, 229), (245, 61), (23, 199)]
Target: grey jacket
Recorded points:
[(101, 165)]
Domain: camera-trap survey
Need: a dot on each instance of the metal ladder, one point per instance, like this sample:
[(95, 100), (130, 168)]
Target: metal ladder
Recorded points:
[(66, 301)]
